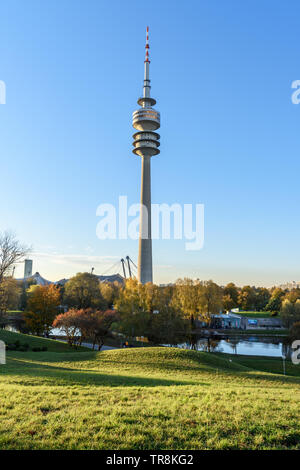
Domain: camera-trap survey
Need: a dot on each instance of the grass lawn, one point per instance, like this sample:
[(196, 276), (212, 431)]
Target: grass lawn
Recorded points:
[(36, 342), (264, 363), (146, 398)]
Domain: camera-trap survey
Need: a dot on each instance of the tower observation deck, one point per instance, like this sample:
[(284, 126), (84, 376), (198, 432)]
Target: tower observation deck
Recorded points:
[(146, 120)]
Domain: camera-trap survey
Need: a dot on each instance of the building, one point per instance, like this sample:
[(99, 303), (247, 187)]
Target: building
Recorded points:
[(290, 285), (112, 278), (37, 279), (108, 279), (27, 268), (226, 321), (146, 120), (232, 321)]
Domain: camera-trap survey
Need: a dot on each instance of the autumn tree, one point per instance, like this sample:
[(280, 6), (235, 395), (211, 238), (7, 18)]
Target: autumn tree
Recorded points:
[(148, 310), (9, 294), (11, 252), (230, 296), (101, 322), (197, 299), (82, 291), (42, 308), (164, 322), (186, 298), (109, 292), (167, 326), (71, 324), (275, 302), (246, 298), (292, 296), (262, 297), (210, 299), (290, 313), (227, 302), (86, 324), (132, 307), (294, 333)]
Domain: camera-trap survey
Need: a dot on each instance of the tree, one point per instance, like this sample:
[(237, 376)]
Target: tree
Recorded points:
[(197, 299), (167, 326), (290, 313), (186, 298), (109, 292), (42, 308), (294, 332), (274, 304), (262, 297), (230, 293), (228, 302), (133, 309), (148, 310), (210, 300), (70, 323), (11, 252), (292, 295), (82, 291), (86, 324), (101, 322), (26, 287), (247, 298), (9, 294)]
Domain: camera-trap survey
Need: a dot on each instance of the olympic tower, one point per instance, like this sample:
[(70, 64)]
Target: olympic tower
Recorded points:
[(146, 120)]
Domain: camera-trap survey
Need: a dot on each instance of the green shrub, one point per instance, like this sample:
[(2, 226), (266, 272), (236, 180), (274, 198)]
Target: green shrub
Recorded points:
[(36, 349)]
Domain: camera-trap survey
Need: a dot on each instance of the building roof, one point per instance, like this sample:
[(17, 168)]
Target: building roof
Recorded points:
[(41, 281), (37, 279)]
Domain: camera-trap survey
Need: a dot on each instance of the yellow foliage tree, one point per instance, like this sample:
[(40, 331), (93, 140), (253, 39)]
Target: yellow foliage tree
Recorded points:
[(9, 294), (42, 307), (197, 299)]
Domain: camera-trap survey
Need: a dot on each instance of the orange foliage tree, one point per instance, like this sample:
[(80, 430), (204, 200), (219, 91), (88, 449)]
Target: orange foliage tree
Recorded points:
[(86, 324), (42, 308)]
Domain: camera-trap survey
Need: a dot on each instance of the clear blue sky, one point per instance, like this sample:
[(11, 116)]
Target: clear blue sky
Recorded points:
[(221, 73)]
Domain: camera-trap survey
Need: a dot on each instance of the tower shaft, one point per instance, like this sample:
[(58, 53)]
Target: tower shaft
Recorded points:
[(145, 240)]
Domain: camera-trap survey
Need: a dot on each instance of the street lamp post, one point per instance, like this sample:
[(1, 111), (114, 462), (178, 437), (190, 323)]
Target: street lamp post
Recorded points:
[(283, 359)]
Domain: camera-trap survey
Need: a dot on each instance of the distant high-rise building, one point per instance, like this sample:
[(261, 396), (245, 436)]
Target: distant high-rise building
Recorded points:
[(28, 268), (146, 142), (290, 285)]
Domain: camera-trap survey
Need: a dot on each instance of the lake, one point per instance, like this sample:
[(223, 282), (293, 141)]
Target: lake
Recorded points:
[(271, 346), (249, 346)]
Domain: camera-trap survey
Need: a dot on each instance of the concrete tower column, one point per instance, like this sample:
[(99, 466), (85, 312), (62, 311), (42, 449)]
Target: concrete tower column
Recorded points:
[(145, 240)]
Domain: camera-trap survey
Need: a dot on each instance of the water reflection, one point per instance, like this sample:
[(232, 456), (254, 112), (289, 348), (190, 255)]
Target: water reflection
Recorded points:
[(271, 346), (250, 346)]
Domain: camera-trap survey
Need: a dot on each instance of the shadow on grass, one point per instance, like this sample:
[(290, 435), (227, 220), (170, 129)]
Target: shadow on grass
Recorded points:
[(61, 376), (186, 365), (265, 364)]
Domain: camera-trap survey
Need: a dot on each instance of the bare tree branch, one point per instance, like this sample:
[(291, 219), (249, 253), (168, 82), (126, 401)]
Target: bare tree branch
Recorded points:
[(11, 252)]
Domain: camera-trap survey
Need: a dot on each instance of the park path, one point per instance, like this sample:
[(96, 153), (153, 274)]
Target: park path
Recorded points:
[(90, 346), (104, 348)]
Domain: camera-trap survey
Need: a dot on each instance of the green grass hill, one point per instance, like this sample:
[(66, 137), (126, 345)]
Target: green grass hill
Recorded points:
[(145, 398)]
